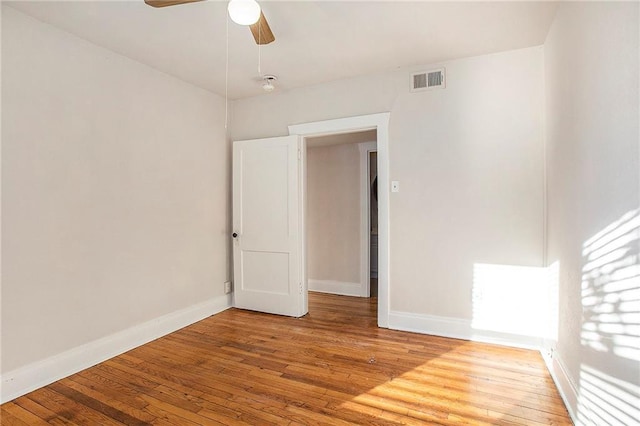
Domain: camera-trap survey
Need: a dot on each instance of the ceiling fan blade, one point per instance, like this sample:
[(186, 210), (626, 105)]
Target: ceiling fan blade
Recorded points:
[(261, 31), (164, 3)]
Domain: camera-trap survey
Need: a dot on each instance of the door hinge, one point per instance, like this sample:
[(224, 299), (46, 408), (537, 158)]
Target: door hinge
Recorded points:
[(300, 288), (299, 155)]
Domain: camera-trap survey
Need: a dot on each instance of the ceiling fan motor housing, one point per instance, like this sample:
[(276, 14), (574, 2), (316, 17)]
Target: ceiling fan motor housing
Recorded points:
[(268, 85)]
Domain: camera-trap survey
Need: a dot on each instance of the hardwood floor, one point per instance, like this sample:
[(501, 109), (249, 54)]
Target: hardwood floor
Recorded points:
[(334, 366)]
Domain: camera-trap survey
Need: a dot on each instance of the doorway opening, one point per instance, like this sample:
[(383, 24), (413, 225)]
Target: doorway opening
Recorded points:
[(378, 123), (339, 227), (373, 222)]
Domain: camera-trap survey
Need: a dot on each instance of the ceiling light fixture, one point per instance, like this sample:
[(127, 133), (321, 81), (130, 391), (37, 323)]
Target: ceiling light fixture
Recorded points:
[(244, 12), (268, 83)]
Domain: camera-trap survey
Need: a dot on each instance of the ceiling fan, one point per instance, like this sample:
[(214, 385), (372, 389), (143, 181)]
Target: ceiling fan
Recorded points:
[(243, 12)]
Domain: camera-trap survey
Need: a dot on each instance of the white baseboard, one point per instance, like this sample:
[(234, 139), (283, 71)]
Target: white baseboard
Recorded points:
[(335, 287), (457, 328), (566, 387), (41, 373)]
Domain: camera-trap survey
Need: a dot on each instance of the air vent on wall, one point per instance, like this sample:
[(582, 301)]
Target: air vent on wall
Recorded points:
[(427, 80)]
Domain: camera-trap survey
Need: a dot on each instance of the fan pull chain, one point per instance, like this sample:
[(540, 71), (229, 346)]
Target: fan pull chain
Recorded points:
[(259, 47), (226, 79)]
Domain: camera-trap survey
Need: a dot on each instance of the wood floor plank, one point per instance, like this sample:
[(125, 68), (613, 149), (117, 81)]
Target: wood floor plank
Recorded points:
[(12, 413), (69, 409), (331, 367), (6, 418), (96, 405), (114, 386), (50, 417), (101, 394)]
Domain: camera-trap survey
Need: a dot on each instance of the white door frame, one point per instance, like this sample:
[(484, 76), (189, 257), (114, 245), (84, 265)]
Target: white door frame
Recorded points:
[(379, 122)]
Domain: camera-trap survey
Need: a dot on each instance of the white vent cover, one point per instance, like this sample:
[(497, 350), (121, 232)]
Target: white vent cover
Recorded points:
[(426, 80)]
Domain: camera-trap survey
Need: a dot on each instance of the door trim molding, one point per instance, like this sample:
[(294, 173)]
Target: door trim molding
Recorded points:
[(379, 122)]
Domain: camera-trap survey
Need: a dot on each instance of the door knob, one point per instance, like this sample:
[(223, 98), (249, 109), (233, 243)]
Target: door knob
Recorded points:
[(234, 235)]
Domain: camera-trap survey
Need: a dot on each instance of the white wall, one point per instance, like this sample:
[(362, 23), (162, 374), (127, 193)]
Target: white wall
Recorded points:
[(469, 159), (333, 218), (114, 193), (592, 138)]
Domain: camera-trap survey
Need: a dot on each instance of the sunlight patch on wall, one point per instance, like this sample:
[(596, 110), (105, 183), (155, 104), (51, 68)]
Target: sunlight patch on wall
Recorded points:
[(606, 400), (609, 385), (520, 300), (611, 289)]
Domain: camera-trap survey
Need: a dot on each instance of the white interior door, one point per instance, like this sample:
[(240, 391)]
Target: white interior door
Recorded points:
[(268, 260)]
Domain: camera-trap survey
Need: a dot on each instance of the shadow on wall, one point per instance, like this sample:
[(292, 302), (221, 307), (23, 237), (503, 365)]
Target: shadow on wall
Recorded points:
[(609, 384)]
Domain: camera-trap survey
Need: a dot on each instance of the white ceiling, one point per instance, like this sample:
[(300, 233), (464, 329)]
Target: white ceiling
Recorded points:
[(316, 41)]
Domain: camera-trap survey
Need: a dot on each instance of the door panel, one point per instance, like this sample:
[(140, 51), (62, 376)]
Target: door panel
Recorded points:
[(269, 272), (267, 218), (264, 184)]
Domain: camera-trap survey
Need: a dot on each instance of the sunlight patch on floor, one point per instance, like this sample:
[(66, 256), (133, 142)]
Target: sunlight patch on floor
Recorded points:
[(427, 394)]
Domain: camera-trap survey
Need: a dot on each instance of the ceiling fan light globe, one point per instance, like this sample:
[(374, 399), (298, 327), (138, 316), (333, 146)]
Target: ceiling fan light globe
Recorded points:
[(268, 86), (244, 12)]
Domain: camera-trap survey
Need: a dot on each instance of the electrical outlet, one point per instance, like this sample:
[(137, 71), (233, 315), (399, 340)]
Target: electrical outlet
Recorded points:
[(227, 287)]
